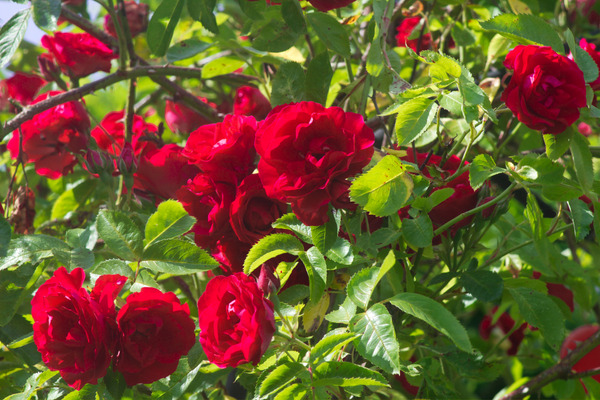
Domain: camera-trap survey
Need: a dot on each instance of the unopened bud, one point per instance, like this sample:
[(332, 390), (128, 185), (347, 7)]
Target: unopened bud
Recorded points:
[(267, 281), (50, 71)]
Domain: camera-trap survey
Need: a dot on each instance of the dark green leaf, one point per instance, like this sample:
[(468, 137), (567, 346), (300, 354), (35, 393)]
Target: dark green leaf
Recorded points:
[(584, 61), (414, 117), (113, 266), (330, 344), (202, 10), (481, 169), (377, 342), (78, 257), (288, 84), (557, 145), (331, 32), (343, 374), (318, 77), (270, 247), (434, 314), (186, 49), (121, 234), (46, 13), (418, 232), (12, 34), (384, 189), (162, 25), (169, 221), (561, 192), (292, 14), (317, 272), (483, 285), (582, 159), (177, 257), (31, 248), (115, 383), (15, 286), (582, 218), (274, 36), (324, 236), (5, 235), (72, 200)]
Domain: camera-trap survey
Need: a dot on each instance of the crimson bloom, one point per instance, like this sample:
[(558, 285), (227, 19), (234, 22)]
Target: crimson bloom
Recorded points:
[(182, 119), (590, 48), (326, 5), (236, 321), (589, 361), (155, 332), (21, 87), (308, 152), (74, 331), (405, 30), (51, 137), (546, 90), (250, 101), (78, 54), (110, 134)]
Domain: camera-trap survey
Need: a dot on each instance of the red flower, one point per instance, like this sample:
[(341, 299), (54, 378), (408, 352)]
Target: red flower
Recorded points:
[(21, 87), (592, 359), (78, 54), (74, 331), (405, 30), (182, 119), (546, 90), (51, 137), (236, 321), (224, 145), (506, 324), (326, 5), (137, 18), (250, 101), (163, 171), (110, 134), (155, 331), (308, 152), (590, 48), (558, 290), (252, 212)]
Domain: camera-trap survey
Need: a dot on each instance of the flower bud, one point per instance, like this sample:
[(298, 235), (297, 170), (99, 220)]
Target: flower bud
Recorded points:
[(50, 71), (127, 162), (267, 281)]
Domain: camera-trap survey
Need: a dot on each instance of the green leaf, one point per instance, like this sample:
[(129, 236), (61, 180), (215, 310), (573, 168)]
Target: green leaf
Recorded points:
[(525, 29), (557, 145), (15, 287), (318, 77), (274, 36), (314, 313), (561, 192), (344, 313), (331, 32), (31, 249), (384, 189), (292, 14), (294, 392), (361, 286), (46, 13), (115, 383), (452, 102), (177, 257), (5, 235), (582, 159), (169, 221), (120, 233), (324, 236), (187, 48), (418, 232), (434, 314), (584, 61), (483, 285), (162, 26), (481, 169), (377, 342), (221, 66), (72, 200), (12, 34), (288, 84), (414, 117), (461, 35), (427, 204), (317, 272), (541, 312), (78, 257), (344, 374), (375, 63), (281, 376), (330, 344), (270, 247), (582, 218), (290, 222), (540, 169), (113, 266), (341, 252), (202, 10)]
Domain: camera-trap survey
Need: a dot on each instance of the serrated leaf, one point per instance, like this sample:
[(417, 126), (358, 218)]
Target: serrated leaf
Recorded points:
[(483, 285), (436, 315), (177, 257), (324, 236), (31, 249), (14, 288), (316, 268), (582, 160), (341, 252), (414, 117), (384, 189), (525, 29), (377, 342), (11, 35), (292, 14), (330, 344), (113, 266), (78, 257), (5, 235), (582, 218), (418, 232), (46, 13), (294, 391), (120, 233), (584, 61), (71, 200), (318, 77), (557, 145), (274, 36), (541, 312), (281, 376), (169, 221), (331, 32), (361, 286), (202, 10), (162, 25), (481, 169), (290, 222), (270, 247), (186, 49), (288, 84), (344, 313), (344, 374)]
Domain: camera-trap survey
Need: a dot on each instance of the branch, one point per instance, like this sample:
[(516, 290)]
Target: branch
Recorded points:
[(562, 370)]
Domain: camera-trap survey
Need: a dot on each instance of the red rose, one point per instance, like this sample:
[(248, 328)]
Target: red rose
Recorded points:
[(74, 331), (163, 171), (558, 290), (590, 48), (546, 90), (182, 119), (405, 30), (224, 145), (137, 18), (307, 153), (110, 134), (155, 331), (230, 252), (250, 101), (252, 212), (506, 324), (236, 321), (51, 137), (592, 359), (21, 87), (326, 5), (78, 54), (208, 199)]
